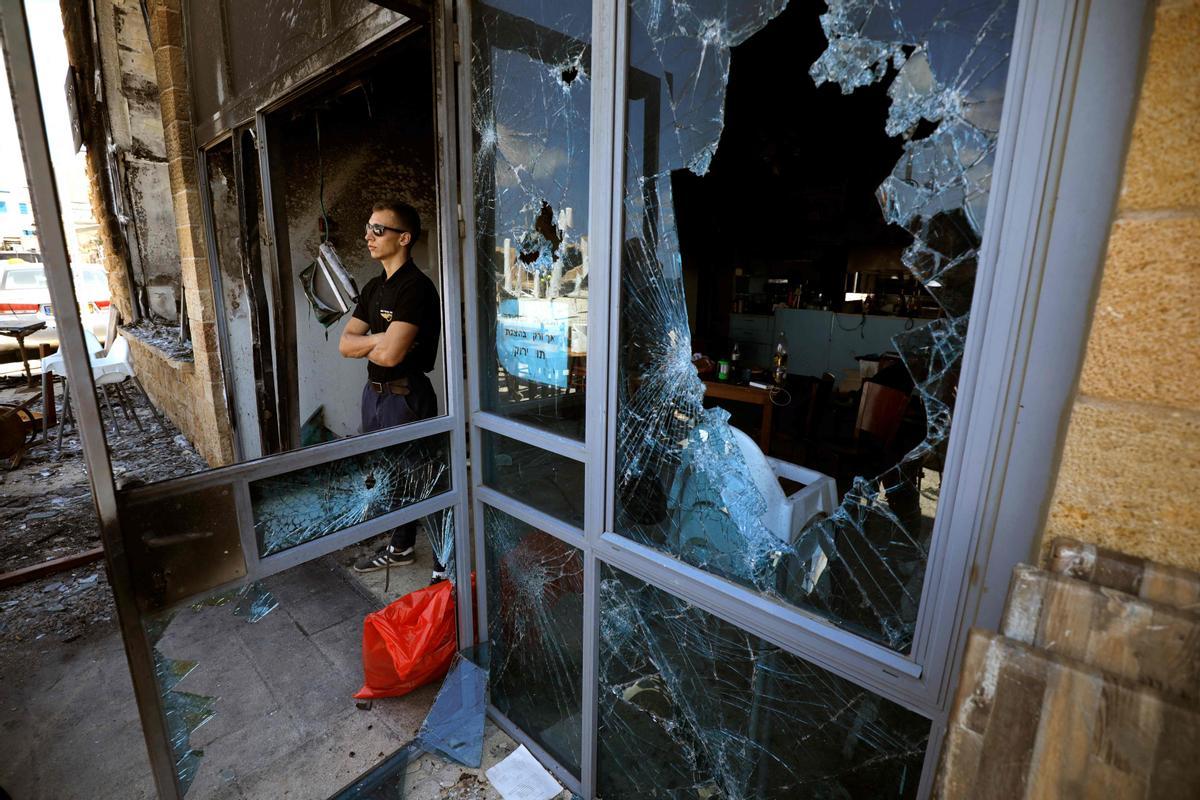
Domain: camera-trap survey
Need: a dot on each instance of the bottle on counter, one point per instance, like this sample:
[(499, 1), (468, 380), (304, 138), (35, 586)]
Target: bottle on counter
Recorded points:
[(735, 357), (779, 360)]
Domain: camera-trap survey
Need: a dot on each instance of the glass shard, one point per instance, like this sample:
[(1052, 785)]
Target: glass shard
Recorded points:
[(439, 527), (535, 633), (454, 725), (309, 503), (687, 481), (387, 781), (453, 728), (252, 601), (187, 711), (691, 706)]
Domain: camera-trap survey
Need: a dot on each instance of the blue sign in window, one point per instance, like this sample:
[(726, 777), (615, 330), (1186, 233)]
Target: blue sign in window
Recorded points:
[(3, 207)]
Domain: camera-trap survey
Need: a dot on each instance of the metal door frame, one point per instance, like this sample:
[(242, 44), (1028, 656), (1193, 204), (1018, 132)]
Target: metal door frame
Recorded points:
[(121, 550)]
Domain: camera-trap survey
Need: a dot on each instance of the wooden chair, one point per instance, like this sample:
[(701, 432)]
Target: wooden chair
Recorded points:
[(880, 411)]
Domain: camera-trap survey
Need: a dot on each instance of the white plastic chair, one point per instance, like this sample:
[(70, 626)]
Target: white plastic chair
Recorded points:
[(116, 366), (54, 365), (787, 514), (110, 370)]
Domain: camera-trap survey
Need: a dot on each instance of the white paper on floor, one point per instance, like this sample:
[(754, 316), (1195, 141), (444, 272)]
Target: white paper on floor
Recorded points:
[(521, 777)]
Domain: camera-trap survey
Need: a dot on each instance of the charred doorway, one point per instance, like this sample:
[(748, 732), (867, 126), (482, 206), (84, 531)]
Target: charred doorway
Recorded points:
[(363, 133)]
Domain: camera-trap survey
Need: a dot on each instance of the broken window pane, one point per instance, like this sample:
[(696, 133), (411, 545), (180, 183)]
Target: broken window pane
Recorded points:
[(257, 682), (888, 321), (547, 481), (692, 706), (535, 631), (531, 86), (185, 711), (304, 505)]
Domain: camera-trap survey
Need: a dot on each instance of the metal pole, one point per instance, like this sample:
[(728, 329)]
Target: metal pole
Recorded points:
[(47, 212), (49, 414)]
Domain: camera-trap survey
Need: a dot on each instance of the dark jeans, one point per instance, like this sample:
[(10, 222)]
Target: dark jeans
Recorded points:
[(386, 410)]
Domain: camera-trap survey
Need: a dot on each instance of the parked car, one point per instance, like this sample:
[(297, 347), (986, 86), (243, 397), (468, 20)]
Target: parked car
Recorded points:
[(24, 292)]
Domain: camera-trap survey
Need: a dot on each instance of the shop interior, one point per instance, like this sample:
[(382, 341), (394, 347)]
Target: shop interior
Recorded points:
[(805, 275)]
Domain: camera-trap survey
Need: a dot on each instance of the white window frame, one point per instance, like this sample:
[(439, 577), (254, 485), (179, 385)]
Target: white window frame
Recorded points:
[(1072, 85)]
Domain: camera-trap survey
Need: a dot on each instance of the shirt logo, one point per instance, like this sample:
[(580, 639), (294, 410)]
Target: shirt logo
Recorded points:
[(387, 315)]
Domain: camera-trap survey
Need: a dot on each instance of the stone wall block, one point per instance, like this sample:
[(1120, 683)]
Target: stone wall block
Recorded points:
[(199, 303), (1128, 480), (168, 67), (174, 103), (184, 234), (177, 135), (206, 338), (186, 202), (1143, 344), (166, 26), (182, 169), (196, 275), (1162, 169)]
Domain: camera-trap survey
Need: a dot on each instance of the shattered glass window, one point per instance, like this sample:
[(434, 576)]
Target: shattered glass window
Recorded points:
[(531, 84), (309, 503), (688, 481), (692, 706), (547, 481), (535, 633), (257, 684)]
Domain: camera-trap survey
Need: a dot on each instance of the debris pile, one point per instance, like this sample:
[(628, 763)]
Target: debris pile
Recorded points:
[(46, 512), (162, 337)]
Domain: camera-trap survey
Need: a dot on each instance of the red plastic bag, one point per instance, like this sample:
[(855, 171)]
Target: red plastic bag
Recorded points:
[(409, 643)]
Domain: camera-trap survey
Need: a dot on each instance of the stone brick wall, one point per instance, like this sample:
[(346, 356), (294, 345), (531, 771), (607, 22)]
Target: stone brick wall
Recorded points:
[(78, 38), (1130, 473), (208, 425), (166, 381)]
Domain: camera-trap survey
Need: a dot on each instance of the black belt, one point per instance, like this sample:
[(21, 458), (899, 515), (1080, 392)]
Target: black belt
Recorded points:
[(399, 386)]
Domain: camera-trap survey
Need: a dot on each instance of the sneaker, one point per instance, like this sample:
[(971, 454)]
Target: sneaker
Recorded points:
[(386, 557)]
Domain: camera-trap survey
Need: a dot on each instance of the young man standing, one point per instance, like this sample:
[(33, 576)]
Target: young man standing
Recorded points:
[(396, 326)]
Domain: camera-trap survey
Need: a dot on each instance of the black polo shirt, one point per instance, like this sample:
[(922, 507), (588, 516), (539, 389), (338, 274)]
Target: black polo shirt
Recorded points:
[(407, 296)]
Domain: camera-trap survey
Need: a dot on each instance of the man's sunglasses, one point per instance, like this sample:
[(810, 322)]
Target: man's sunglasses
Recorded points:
[(375, 229)]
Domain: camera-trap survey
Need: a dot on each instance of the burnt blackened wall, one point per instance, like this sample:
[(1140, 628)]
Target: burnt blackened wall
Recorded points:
[(243, 54), (234, 300), (376, 141), (135, 104), (135, 123), (117, 93)]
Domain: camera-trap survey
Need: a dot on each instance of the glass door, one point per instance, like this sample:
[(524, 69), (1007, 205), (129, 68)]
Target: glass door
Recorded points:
[(239, 590)]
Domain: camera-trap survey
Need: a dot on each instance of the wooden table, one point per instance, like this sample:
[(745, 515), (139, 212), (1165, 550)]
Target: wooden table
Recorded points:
[(719, 390), (19, 332)]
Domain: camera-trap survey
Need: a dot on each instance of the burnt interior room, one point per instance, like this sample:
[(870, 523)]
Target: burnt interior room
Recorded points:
[(365, 135), (807, 259)]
